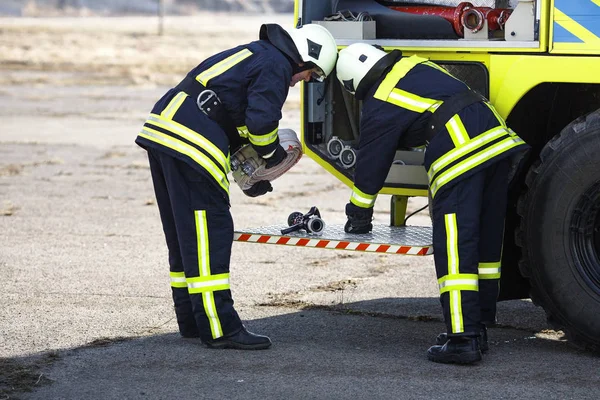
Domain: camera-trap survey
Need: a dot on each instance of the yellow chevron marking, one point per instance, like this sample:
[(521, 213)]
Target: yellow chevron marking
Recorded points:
[(572, 26)]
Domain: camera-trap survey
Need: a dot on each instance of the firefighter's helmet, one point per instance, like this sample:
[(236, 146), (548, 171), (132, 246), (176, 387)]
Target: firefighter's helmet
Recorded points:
[(315, 45), (360, 63)]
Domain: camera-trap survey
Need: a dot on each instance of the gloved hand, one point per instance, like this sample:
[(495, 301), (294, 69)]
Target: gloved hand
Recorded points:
[(258, 189), (277, 157), (359, 219)]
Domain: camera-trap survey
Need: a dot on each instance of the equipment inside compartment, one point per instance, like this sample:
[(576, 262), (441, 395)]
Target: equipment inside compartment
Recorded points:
[(432, 19)]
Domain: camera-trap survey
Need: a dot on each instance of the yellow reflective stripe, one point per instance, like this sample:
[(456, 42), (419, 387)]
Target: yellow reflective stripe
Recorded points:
[(209, 283), (208, 299), (404, 99), (474, 161), (206, 283), (243, 131), (174, 105), (455, 154), (222, 66), (202, 243), (190, 151), (263, 140), (451, 243), (455, 303), (362, 199), (498, 117), (456, 316), (459, 282), (192, 136), (457, 130), (400, 69), (178, 279), (489, 270)]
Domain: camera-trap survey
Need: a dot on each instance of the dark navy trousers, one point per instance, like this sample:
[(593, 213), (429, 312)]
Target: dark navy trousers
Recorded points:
[(468, 230), (198, 229)]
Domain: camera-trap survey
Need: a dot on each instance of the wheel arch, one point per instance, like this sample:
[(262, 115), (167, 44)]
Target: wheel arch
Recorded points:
[(559, 229), (540, 115)]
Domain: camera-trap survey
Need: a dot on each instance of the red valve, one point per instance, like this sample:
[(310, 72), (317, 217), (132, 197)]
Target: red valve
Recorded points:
[(463, 15)]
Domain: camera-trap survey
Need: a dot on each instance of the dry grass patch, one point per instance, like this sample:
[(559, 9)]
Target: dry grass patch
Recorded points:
[(11, 170), (7, 209)]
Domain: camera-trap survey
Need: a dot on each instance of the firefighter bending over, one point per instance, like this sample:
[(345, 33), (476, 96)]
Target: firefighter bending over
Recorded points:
[(232, 98), (412, 102)]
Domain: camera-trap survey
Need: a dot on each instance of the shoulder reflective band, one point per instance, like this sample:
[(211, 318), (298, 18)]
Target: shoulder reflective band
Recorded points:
[(412, 102), (223, 66), (400, 69)]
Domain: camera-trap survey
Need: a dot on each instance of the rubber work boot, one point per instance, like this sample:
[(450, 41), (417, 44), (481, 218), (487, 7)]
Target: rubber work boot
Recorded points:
[(240, 340), (457, 350), (483, 339)]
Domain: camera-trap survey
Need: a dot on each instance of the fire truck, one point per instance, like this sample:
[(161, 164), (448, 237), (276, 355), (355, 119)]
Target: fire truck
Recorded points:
[(538, 62)]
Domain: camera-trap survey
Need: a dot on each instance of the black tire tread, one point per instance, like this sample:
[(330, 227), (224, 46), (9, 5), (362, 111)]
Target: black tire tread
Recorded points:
[(547, 154)]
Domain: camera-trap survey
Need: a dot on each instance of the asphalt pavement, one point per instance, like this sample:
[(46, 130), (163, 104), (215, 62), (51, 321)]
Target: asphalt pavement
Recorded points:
[(86, 310)]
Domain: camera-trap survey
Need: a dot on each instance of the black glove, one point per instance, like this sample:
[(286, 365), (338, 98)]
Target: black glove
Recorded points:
[(258, 189), (359, 219), (277, 157)]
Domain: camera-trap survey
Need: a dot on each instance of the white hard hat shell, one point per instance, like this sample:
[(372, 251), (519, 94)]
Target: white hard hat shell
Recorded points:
[(354, 62), (315, 44)]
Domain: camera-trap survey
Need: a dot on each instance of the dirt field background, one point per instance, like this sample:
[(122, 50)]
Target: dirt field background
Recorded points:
[(84, 290)]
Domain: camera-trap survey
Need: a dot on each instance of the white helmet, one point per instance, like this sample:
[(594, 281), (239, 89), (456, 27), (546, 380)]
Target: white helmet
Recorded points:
[(315, 44), (355, 62)]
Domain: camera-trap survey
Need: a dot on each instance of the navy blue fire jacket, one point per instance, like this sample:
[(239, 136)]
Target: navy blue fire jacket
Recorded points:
[(395, 114), (252, 81)]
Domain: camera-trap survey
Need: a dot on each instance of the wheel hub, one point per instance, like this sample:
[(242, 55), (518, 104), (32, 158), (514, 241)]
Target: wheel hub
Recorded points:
[(584, 236)]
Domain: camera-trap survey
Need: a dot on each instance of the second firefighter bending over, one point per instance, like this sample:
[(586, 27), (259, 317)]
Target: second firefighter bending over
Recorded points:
[(231, 98), (412, 102)]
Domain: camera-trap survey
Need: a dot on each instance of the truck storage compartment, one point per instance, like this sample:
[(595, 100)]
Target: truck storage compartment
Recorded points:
[(332, 126), (433, 23)]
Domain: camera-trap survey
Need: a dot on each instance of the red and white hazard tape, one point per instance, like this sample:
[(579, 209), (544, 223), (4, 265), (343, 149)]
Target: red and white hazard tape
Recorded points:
[(334, 244)]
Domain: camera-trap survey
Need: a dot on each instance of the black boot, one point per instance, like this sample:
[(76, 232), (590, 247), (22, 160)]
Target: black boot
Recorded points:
[(240, 340), (457, 350), (483, 339)]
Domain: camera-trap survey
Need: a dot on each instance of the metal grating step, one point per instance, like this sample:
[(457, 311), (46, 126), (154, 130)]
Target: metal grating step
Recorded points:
[(409, 240)]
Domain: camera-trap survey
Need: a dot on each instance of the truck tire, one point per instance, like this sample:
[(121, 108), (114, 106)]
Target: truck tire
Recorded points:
[(560, 231)]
